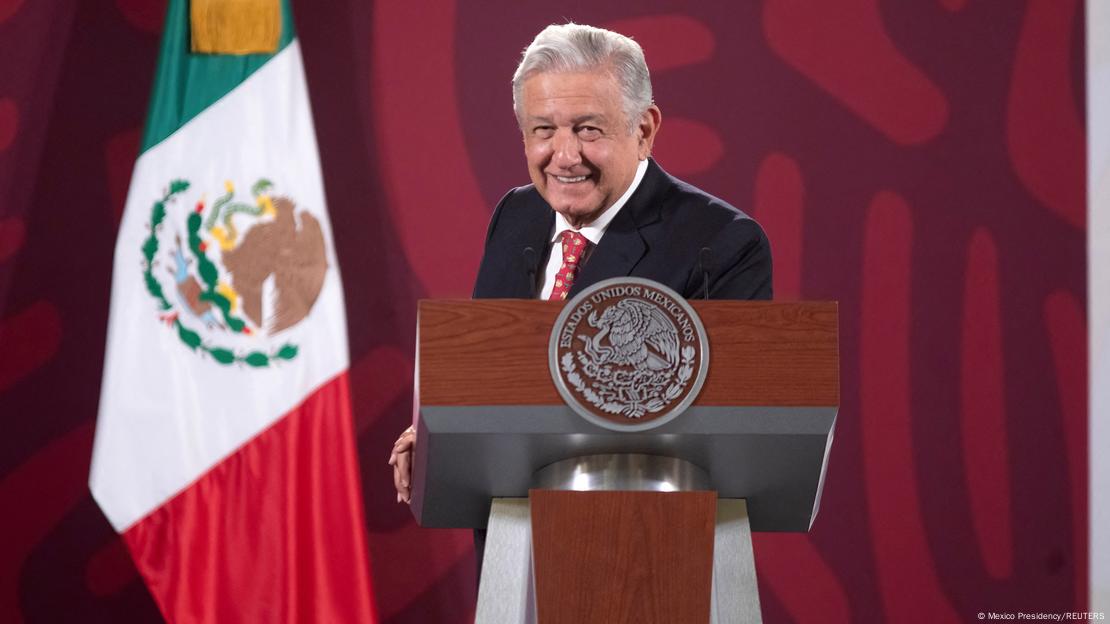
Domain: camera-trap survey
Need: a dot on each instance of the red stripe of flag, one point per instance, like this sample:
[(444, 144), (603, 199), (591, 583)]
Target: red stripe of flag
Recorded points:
[(273, 533)]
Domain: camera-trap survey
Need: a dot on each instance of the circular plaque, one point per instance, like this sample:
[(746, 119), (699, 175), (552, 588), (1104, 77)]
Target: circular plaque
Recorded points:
[(628, 354)]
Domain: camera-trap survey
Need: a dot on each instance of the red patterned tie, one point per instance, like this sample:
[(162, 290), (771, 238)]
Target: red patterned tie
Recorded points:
[(574, 245)]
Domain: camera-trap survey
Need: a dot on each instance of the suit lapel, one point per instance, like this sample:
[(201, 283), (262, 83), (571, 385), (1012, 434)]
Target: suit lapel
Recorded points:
[(615, 256), (534, 234), (624, 242)]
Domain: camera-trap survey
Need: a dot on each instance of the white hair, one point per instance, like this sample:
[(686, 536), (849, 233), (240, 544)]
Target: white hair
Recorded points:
[(576, 47)]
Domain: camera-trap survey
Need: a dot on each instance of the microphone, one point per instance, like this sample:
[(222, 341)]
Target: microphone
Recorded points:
[(705, 262), (531, 263)]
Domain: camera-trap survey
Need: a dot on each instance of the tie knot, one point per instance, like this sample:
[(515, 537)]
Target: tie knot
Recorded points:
[(573, 245)]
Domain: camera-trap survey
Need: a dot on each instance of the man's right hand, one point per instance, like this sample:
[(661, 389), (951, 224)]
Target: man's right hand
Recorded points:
[(401, 460)]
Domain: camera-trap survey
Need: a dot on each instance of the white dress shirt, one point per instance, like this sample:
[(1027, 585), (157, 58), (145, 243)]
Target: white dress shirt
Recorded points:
[(593, 232)]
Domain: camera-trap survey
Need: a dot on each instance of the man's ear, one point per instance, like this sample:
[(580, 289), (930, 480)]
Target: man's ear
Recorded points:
[(648, 127)]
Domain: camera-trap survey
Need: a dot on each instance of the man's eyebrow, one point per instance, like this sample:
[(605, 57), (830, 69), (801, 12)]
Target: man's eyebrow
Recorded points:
[(595, 117)]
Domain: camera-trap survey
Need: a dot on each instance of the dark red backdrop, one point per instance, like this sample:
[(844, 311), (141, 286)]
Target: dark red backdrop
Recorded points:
[(922, 163)]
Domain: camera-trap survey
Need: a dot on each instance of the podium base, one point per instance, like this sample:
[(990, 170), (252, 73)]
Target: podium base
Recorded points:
[(506, 594), (735, 596), (506, 590)]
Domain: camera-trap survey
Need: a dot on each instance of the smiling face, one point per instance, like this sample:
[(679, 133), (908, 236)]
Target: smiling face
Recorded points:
[(581, 154)]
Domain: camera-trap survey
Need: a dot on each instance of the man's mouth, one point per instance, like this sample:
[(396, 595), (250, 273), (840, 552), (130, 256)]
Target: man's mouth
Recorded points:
[(571, 179)]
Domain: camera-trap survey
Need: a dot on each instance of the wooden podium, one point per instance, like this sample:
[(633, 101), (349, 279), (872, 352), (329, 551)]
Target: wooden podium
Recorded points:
[(587, 524)]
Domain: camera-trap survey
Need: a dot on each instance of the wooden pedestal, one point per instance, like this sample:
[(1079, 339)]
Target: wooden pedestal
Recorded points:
[(617, 557)]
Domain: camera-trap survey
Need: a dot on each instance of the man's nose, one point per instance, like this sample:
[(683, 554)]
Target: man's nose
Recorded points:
[(568, 149)]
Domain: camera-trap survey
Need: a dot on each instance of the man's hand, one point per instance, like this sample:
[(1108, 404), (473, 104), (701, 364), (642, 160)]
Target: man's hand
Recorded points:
[(401, 460)]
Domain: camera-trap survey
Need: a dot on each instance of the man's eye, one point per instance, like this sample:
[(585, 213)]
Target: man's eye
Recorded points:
[(589, 132), (543, 131)]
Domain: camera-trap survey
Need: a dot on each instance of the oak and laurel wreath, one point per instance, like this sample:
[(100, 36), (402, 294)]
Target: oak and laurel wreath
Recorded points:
[(210, 275), (685, 371)]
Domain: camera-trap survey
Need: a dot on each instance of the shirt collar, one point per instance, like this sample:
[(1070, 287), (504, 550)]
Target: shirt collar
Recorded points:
[(595, 230)]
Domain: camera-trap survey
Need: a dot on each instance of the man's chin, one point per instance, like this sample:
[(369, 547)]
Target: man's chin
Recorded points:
[(578, 215)]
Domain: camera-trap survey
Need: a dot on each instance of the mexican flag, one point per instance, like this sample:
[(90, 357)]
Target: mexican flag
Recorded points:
[(225, 452)]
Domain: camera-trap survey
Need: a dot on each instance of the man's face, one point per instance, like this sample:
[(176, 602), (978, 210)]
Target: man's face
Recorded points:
[(581, 155)]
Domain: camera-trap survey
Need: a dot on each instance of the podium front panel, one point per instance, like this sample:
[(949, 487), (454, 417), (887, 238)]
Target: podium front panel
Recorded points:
[(490, 415)]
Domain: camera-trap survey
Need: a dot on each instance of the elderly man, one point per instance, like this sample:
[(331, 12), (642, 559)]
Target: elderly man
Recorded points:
[(599, 206)]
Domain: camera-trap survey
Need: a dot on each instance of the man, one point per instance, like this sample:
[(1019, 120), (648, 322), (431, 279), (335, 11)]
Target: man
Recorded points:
[(599, 206)]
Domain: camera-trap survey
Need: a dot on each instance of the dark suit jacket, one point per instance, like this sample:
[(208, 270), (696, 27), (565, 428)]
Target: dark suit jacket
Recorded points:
[(659, 234)]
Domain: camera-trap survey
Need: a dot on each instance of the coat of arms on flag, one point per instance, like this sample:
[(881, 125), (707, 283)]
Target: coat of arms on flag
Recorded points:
[(234, 273)]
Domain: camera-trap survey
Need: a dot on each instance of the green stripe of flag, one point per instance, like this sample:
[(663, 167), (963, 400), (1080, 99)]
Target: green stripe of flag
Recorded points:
[(185, 83)]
